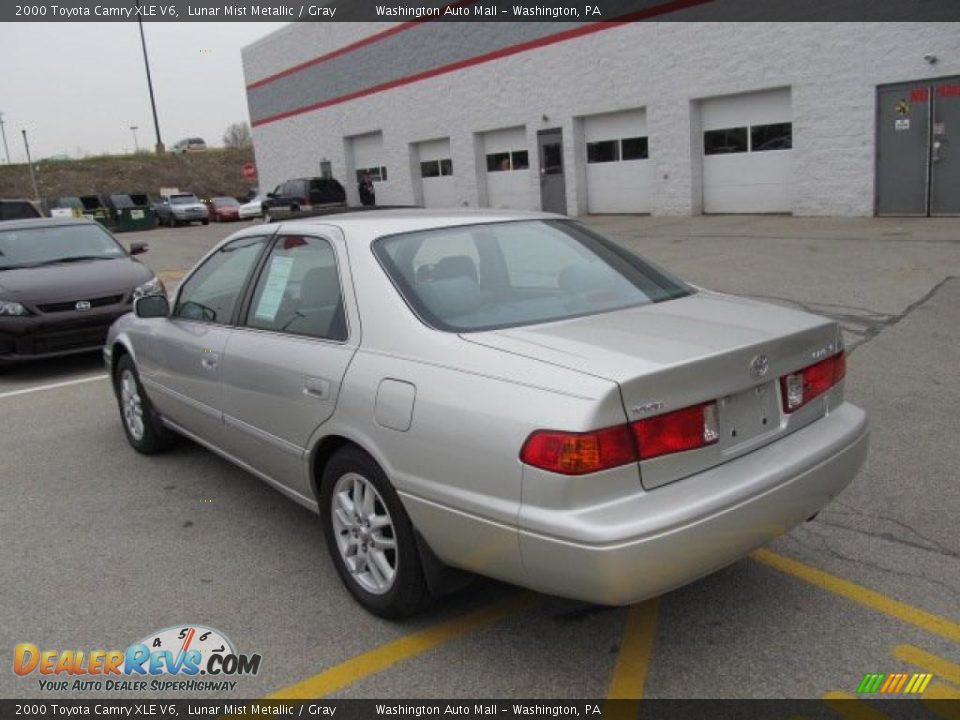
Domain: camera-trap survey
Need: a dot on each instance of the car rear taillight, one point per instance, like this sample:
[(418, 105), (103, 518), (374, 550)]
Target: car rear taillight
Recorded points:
[(685, 429), (579, 453), (572, 453), (799, 388)]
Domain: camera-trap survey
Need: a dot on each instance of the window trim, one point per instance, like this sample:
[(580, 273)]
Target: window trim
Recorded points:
[(243, 315), (268, 240)]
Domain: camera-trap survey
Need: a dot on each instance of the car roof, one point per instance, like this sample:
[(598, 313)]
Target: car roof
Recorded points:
[(44, 222), (390, 222)]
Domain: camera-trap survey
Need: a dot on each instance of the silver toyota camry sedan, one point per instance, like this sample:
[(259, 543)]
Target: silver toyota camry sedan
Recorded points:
[(501, 393)]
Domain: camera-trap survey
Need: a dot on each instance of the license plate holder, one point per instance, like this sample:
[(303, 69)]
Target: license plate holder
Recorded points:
[(748, 415)]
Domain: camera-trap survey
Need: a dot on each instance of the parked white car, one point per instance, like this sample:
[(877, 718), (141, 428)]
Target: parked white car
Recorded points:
[(252, 209)]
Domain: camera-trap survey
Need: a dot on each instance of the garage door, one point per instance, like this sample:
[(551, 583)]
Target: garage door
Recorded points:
[(436, 173), (508, 169), (367, 151), (747, 155), (619, 172)]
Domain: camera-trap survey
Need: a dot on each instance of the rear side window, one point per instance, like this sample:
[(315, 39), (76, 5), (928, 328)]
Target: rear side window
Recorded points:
[(298, 291), (497, 275)]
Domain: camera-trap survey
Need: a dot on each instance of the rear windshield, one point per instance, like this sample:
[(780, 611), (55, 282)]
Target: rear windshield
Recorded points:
[(35, 246), (183, 199), (498, 275)]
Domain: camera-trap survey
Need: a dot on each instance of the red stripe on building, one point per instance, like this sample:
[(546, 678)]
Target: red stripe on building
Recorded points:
[(570, 34)]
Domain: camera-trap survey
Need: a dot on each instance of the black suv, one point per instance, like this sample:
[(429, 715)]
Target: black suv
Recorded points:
[(303, 195), (17, 210)]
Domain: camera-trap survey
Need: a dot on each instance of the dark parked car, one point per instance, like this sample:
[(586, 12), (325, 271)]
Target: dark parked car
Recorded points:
[(303, 196), (17, 210), (63, 281)]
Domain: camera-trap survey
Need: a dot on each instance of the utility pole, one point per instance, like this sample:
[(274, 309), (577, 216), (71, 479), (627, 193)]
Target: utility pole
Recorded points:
[(146, 64), (136, 146), (33, 178), (6, 150)]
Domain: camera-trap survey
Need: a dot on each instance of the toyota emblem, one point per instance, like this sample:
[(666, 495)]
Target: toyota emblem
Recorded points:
[(759, 366), (82, 305)]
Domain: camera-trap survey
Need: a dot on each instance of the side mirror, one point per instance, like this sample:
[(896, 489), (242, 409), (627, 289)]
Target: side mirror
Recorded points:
[(138, 248), (151, 306), (271, 195)]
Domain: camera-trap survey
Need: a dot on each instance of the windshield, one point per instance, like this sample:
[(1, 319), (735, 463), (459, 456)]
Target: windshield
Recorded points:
[(225, 202), (497, 275), (183, 199), (29, 247)]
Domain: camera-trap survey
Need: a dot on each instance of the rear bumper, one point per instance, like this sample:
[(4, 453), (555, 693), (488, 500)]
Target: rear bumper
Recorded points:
[(657, 540)]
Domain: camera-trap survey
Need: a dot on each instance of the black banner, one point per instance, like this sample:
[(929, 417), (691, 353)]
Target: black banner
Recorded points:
[(892, 709), (478, 10)]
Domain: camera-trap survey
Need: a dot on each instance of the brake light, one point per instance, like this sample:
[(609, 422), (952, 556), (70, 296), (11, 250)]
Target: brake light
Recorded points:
[(685, 429), (570, 453), (579, 453), (799, 388)]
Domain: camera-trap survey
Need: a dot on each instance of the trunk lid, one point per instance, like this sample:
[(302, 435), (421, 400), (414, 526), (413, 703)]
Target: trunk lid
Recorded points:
[(683, 352)]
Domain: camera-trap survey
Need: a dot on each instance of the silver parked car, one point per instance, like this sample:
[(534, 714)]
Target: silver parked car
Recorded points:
[(503, 393)]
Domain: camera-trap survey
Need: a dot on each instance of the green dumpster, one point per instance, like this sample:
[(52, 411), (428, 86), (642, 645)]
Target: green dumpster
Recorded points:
[(131, 211)]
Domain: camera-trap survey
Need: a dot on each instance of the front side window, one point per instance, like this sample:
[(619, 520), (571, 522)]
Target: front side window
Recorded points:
[(211, 294), (497, 275), (298, 291)]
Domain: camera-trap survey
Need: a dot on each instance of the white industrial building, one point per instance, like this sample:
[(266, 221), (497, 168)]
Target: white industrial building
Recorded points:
[(669, 118)]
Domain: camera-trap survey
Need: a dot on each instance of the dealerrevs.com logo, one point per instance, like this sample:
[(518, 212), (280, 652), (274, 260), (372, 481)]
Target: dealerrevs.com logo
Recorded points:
[(184, 658)]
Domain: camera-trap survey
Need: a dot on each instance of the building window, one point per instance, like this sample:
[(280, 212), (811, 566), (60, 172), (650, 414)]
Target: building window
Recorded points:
[(603, 151), (634, 148), (497, 162), (727, 140), (778, 136), (436, 168), (377, 174)]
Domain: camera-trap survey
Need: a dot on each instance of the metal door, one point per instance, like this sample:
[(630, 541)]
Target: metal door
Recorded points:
[(945, 148), (553, 188), (903, 117), (918, 173)]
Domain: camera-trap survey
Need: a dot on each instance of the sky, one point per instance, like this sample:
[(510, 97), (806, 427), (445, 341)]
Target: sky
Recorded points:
[(77, 88)]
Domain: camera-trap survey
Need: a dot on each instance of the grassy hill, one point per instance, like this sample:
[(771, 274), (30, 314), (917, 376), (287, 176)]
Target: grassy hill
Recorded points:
[(208, 173)]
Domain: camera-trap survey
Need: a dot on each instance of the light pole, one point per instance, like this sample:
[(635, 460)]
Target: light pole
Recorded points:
[(146, 64), (33, 178), (136, 146), (6, 150)]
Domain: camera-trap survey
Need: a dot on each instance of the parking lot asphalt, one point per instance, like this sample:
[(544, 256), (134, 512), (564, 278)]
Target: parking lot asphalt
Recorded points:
[(104, 546)]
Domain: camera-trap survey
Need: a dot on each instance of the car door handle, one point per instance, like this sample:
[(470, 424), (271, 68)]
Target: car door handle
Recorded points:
[(316, 387)]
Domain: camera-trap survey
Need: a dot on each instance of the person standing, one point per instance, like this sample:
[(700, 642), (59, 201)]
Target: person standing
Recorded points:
[(368, 195)]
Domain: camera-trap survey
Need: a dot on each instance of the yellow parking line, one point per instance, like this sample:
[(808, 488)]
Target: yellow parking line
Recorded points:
[(931, 663), (636, 650), (849, 707), (859, 594), (385, 656)]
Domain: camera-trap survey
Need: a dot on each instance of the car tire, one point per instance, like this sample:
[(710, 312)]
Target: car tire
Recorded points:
[(143, 427), (204, 222), (377, 539)]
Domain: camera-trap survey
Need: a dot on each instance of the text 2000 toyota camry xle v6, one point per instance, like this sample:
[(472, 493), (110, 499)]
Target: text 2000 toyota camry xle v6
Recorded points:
[(505, 393)]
